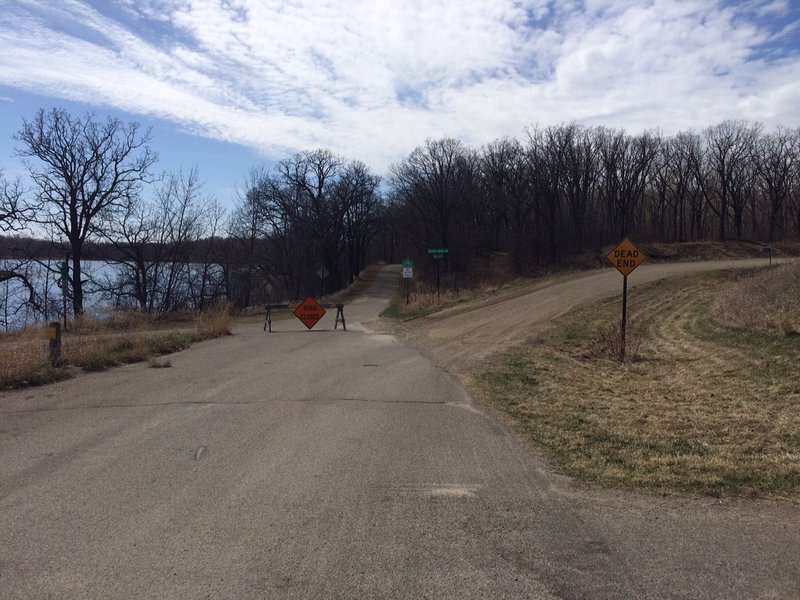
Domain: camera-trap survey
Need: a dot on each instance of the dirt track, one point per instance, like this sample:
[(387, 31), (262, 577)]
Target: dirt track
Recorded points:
[(463, 338)]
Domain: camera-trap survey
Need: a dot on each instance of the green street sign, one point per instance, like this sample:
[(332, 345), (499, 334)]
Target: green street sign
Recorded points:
[(438, 252), (408, 264)]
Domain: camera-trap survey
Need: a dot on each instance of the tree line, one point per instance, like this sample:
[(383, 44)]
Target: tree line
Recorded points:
[(313, 221), (572, 188)]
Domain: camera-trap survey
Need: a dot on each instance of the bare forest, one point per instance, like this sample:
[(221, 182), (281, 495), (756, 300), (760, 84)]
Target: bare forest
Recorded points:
[(310, 223)]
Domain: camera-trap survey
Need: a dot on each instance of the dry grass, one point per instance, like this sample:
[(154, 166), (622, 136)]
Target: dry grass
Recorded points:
[(706, 408), (769, 301), (121, 320), (94, 345), (25, 359), (424, 299), (215, 321), (607, 341)]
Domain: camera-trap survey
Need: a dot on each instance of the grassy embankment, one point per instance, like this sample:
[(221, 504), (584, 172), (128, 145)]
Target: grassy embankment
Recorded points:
[(93, 346), (708, 402)]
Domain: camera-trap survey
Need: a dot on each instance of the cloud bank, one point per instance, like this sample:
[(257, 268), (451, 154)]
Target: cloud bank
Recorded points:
[(373, 79)]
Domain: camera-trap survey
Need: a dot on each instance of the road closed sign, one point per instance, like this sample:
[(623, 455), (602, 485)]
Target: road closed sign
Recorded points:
[(626, 257), (309, 312)]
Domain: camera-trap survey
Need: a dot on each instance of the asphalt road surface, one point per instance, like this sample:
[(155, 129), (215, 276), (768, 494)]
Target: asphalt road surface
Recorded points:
[(325, 464)]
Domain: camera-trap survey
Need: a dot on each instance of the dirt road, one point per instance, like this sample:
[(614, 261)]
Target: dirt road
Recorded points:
[(324, 464), (462, 338)]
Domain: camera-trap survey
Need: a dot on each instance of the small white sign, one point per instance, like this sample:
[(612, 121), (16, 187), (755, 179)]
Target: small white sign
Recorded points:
[(407, 272)]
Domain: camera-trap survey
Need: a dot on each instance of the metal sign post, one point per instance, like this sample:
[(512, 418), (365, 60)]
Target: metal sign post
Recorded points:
[(625, 258), (438, 254), (408, 272)]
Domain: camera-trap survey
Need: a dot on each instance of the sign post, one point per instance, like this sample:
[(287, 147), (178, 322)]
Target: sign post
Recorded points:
[(438, 254), (408, 272), (322, 272), (767, 250), (54, 334), (625, 258)]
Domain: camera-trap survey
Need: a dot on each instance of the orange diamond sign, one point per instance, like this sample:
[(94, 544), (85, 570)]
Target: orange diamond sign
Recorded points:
[(309, 312), (626, 257)]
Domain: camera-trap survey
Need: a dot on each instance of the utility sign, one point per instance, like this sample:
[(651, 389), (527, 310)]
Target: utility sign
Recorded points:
[(309, 312), (408, 272), (626, 257)]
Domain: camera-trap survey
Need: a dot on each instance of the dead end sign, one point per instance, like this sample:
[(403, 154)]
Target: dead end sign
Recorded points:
[(309, 312), (626, 257)]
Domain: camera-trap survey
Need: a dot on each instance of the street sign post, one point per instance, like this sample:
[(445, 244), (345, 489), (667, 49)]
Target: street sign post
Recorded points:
[(408, 273), (438, 254), (625, 258), (309, 312)]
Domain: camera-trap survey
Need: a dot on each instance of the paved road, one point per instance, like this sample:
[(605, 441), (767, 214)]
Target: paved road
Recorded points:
[(324, 464)]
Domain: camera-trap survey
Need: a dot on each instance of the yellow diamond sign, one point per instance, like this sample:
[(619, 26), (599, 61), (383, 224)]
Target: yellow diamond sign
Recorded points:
[(626, 257)]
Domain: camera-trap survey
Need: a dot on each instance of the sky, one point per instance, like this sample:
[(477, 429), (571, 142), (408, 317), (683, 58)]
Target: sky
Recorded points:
[(227, 85)]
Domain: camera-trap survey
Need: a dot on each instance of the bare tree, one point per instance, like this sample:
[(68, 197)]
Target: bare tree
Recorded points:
[(85, 168), (12, 218), (316, 178), (627, 163), (729, 146), (134, 233), (434, 182), (777, 162), (180, 209), (580, 174), (358, 195), (505, 197), (12, 211), (246, 229), (545, 158)]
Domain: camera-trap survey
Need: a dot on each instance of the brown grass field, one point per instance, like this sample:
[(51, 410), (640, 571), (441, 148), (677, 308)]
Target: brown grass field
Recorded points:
[(708, 402)]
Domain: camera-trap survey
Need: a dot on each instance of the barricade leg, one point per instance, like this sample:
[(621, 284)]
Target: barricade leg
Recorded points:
[(340, 317), (268, 322)]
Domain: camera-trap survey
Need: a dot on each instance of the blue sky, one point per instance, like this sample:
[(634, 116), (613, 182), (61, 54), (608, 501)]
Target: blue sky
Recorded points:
[(226, 84)]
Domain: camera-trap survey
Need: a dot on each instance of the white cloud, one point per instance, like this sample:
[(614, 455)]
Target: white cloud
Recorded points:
[(371, 79)]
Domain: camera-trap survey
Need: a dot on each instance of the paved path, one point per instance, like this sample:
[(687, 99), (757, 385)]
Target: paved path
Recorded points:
[(324, 464)]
